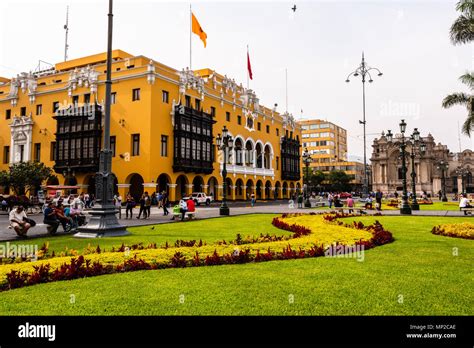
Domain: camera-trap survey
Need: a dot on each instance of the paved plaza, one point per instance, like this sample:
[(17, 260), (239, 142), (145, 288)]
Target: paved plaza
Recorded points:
[(203, 212)]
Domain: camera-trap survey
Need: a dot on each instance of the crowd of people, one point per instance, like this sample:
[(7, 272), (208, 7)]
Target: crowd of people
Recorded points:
[(68, 212)]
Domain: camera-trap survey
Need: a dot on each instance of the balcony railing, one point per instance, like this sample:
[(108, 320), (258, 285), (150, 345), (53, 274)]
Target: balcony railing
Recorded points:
[(238, 169)]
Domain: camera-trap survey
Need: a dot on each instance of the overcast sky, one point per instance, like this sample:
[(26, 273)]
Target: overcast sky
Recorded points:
[(319, 44)]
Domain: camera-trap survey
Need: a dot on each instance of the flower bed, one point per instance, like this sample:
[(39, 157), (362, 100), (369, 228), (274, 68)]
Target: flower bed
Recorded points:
[(311, 236), (462, 230)]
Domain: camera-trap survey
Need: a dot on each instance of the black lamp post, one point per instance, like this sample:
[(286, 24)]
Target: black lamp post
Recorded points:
[(103, 221), (224, 143), (443, 166), (307, 160), (416, 144), (364, 71), (405, 208), (462, 172)]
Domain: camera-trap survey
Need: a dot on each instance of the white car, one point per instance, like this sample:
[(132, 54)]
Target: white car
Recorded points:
[(200, 197)]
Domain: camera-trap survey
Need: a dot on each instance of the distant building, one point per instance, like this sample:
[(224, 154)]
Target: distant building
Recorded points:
[(327, 144), (387, 167)]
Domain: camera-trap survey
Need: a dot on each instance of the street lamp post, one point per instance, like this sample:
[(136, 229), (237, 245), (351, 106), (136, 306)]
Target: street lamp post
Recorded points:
[(415, 143), (224, 143), (443, 166), (307, 160), (405, 208), (364, 71), (103, 221), (462, 172)]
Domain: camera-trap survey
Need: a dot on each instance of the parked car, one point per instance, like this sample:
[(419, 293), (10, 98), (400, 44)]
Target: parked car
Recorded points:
[(200, 197)]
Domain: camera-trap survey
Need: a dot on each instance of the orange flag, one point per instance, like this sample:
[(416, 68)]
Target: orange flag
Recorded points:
[(196, 28)]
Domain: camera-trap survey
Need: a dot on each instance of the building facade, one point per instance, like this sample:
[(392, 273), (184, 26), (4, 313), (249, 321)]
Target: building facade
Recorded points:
[(387, 167), (327, 144), (163, 128)]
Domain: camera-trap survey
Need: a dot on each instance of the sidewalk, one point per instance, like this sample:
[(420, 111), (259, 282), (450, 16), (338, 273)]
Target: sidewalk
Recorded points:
[(239, 208)]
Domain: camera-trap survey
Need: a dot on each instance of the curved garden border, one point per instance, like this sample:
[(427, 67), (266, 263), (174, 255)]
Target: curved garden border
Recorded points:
[(80, 267)]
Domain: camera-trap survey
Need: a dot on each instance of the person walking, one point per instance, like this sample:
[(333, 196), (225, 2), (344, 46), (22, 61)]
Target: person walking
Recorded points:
[(350, 204), (129, 205), (142, 207), (378, 199), (252, 199), (147, 211), (160, 200), (300, 201), (330, 199), (164, 203)]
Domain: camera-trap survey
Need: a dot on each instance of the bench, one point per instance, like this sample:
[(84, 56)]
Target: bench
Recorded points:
[(467, 210), (188, 215)]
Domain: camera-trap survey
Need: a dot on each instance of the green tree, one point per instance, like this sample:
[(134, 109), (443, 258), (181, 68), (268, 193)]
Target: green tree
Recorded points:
[(28, 176), (314, 179), (4, 179), (339, 180), (462, 31), (463, 99)]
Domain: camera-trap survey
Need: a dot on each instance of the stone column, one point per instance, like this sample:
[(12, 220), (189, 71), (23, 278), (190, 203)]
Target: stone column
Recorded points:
[(189, 189), (254, 159), (172, 192)]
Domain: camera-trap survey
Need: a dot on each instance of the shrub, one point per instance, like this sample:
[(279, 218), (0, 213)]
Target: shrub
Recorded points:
[(460, 230)]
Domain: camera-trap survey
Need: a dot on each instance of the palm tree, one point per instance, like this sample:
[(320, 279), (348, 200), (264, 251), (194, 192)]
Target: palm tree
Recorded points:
[(463, 99), (462, 30)]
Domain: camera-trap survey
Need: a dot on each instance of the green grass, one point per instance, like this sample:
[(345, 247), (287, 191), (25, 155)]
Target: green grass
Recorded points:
[(210, 230), (440, 206), (419, 266)]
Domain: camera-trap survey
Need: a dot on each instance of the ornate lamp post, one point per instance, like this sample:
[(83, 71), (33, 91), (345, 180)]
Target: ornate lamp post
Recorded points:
[(405, 208), (460, 171), (364, 70), (224, 143), (307, 160), (103, 221), (443, 166), (416, 145)]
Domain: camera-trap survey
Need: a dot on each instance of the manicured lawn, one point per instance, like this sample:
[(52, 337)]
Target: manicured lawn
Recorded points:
[(415, 275), (209, 230), (440, 206)]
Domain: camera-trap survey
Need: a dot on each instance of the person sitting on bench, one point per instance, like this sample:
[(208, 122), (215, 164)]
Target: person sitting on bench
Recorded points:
[(368, 203), (183, 208), (191, 206), (464, 203), (50, 218), (17, 221)]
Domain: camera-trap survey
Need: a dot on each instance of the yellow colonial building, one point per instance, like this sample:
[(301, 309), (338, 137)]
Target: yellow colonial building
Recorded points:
[(163, 128)]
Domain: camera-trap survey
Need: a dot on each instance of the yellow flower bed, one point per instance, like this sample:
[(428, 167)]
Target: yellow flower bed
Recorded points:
[(461, 230), (322, 233)]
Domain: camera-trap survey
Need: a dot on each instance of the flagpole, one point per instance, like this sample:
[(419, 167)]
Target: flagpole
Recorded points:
[(248, 82), (190, 36), (286, 88)]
